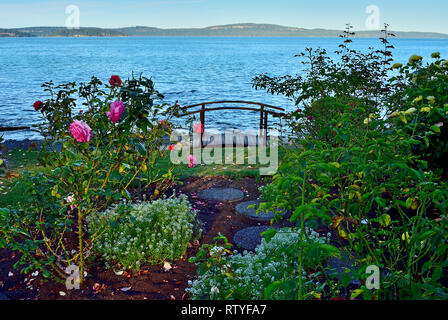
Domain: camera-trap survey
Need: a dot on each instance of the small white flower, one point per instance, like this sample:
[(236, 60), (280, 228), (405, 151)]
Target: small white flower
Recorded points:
[(214, 290)]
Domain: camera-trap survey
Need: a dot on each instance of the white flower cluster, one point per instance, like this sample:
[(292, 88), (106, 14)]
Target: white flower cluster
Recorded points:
[(252, 273), (145, 232)]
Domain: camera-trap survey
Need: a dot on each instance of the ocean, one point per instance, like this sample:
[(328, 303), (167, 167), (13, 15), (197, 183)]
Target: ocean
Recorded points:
[(190, 69)]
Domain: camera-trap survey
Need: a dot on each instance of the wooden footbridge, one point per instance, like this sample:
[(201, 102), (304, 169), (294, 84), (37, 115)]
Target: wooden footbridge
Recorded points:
[(264, 110)]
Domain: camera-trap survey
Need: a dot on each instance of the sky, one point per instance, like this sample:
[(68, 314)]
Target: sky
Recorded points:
[(401, 15)]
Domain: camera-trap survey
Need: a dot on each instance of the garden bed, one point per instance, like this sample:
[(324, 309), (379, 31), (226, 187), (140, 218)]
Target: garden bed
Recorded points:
[(151, 282)]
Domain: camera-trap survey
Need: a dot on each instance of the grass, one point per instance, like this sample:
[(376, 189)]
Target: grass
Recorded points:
[(13, 191), (229, 167)]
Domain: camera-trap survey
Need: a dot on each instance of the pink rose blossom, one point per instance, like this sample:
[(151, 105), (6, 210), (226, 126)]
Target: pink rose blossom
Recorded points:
[(193, 161), (199, 128), (69, 200), (116, 110), (81, 131)]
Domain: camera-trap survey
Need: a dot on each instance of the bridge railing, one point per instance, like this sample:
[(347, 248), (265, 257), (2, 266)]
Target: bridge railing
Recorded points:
[(264, 109)]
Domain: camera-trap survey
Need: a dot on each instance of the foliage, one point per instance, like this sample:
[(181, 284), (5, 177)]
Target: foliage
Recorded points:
[(354, 76), (363, 177), (271, 272), (421, 109), (384, 211), (130, 235)]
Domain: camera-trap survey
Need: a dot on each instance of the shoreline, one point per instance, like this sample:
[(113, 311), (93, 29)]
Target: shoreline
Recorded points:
[(12, 144)]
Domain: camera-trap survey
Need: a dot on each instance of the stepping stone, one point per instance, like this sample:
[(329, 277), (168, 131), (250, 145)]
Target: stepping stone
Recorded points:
[(249, 238), (221, 194), (339, 267), (251, 213), (3, 297)]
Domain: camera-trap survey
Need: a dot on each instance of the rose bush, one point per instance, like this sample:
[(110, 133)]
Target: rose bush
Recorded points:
[(96, 153)]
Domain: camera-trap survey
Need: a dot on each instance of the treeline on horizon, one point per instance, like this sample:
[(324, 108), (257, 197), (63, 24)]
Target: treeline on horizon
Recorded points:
[(233, 30)]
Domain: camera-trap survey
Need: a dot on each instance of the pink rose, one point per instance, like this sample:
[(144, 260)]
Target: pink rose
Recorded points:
[(193, 161), (81, 131), (70, 200), (116, 110), (199, 128)]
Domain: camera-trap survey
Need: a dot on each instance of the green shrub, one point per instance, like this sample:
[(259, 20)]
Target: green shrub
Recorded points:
[(147, 232), (323, 118), (374, 182), (271, 272), (422, 109)]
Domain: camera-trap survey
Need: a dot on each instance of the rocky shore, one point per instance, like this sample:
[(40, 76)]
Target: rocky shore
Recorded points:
[(21, 144)]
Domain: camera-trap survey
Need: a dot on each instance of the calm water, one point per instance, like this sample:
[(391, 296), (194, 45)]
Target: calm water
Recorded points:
[(190, 70)]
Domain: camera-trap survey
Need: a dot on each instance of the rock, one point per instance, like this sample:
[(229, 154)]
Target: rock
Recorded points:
[(3, 297), (249, 238), (339, 267), (251, 213), (221, 195)]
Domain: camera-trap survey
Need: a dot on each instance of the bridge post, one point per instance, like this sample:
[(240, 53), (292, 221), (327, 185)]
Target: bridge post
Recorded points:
[(203, 125), (266, 115)]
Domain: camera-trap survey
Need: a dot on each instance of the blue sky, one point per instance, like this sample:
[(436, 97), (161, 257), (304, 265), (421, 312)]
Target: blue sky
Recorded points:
[(402, 15)]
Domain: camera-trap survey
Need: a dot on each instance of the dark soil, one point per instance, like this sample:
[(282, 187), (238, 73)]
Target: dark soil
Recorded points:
[(152, 282)]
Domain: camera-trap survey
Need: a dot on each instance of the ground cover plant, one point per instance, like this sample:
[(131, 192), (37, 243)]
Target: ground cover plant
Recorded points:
[(273, 271), (130, 235)]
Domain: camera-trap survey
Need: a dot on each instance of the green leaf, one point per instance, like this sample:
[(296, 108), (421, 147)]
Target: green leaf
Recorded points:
[(125, 193), (381, 202), (435, 129), (356, 293), (409, 203), (271, 288), (385, 220), (269, 234), (330, 249), (141, 149), (346, 279)]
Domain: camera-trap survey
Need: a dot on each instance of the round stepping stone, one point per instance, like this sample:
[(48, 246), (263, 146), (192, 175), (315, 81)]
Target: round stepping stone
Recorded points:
[(339, 267), (249, 238), (221, 194), (251, 213)]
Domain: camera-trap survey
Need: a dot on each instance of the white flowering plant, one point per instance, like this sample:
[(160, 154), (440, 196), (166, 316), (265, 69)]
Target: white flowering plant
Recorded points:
[(130, 235), (271, 272)]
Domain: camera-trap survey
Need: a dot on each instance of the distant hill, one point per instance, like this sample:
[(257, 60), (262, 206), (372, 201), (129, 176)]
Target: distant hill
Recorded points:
[(61, 32), (12, 33), (231, 30)]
